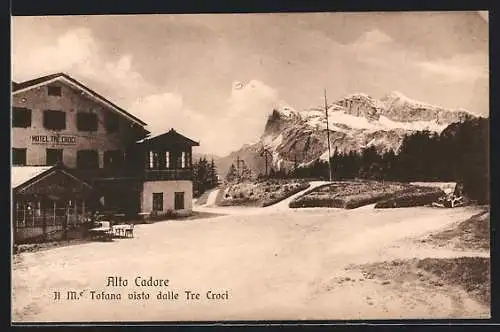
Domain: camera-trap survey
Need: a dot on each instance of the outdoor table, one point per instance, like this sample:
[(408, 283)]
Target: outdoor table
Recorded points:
[(100, 230), (120, 229)]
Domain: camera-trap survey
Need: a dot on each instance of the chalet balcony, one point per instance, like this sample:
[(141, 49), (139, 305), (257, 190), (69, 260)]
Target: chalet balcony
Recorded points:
[(102, 173), (168, 174)]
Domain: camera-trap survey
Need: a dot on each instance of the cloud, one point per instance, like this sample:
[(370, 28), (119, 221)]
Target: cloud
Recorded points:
[(372, 38), (241, 121), (460, 68), (165, 111), (75, 47), (77, 53)]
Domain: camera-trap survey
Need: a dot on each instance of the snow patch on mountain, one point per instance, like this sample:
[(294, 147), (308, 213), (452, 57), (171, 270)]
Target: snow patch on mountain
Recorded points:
[(414, 125), (271, 143), (396, 96)]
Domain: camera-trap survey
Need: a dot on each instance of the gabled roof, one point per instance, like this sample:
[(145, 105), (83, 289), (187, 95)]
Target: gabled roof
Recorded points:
[(170, 137), (44, 80), (24, 176)]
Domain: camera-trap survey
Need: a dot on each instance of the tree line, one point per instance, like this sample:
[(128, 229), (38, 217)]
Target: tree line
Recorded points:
[(459, 154), (204, 176)]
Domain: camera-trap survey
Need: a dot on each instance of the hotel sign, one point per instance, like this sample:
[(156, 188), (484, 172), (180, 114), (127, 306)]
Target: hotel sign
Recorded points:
[(53, 139)]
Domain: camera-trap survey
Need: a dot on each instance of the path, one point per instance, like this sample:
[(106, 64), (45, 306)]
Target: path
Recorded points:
[(284, 203), (275, 265), (212, 197)]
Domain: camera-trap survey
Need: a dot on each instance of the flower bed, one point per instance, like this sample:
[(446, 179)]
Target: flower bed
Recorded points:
[(348, 194), (416, 196), (262, 193)]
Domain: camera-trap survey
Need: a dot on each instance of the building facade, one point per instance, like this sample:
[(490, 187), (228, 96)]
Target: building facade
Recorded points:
[(56, 120)]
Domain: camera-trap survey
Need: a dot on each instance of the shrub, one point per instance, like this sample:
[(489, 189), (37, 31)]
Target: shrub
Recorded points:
[(409, 199), (351, 195), (273, 199)]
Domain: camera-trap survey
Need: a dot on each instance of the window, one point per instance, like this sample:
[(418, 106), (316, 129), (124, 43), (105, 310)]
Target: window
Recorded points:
[(112, 122), (87, 159), (21, 117), (178, 160), (154, 160), (183, 159), (113, 159), (86, 121), (54, 120), (179, 201), (188, 160), (167, 159), (157, 201), (54, 90), (19, 157), (54, 156)]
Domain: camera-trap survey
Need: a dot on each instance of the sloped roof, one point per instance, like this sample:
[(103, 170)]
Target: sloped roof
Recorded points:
[(22, 174), (170, 137), (27, 85)]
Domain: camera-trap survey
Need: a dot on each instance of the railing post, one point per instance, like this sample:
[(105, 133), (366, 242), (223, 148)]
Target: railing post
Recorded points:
[(44, 224)]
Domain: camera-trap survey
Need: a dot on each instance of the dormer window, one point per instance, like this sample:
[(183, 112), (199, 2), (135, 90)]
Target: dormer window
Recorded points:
[(54, 90)]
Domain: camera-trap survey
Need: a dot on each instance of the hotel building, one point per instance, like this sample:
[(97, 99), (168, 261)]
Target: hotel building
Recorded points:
[(74, 151)]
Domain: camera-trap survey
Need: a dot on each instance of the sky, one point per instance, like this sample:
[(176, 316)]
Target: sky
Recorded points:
[(216, 77)]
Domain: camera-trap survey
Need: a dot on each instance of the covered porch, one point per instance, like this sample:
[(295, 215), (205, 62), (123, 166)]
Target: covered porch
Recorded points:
[(46, 201)]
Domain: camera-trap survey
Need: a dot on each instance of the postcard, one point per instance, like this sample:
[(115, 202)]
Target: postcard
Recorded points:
[(250, 167)]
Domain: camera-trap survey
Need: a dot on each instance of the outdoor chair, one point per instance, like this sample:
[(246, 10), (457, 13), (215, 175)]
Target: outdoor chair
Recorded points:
[(104, 230), (129, 232)]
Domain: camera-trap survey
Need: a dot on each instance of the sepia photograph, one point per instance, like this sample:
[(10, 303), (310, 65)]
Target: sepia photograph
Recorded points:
[(250, 167)]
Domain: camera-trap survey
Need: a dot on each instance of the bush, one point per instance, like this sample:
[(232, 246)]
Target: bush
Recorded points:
[(276, 199), (351, 195), (162, 215), (421, 197)]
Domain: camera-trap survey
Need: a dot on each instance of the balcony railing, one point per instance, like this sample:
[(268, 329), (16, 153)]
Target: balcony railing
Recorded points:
[(167, 174), (135, 174)]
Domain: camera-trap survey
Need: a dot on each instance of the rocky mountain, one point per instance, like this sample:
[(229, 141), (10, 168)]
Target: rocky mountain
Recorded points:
[(294, 138)]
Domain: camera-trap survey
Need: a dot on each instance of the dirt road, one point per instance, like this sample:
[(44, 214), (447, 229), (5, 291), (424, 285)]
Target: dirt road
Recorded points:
[(273, 264)]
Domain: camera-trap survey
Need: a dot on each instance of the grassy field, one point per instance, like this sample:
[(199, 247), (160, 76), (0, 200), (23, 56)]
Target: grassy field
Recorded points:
[(263, 193), (353, 194), (470, 274), (411, 196), (473, 233)]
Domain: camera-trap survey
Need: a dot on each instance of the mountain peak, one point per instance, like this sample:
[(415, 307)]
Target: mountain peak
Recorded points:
[(395, 95)]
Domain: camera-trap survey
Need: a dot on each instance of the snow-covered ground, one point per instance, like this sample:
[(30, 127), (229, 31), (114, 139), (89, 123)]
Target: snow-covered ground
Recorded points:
[(274, 263), (212, 197)]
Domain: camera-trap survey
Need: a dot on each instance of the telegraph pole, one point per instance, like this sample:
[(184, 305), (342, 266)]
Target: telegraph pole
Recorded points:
[(265, 152), (328, 139), (238, 163)]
